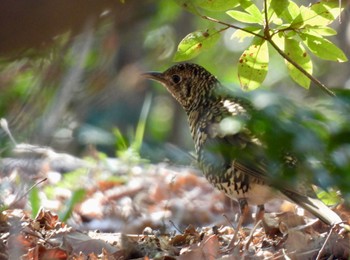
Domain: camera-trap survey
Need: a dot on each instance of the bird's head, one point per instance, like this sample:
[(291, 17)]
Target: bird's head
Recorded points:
[(190, 84)]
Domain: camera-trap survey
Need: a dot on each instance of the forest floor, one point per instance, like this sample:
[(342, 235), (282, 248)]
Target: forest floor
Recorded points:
[(115, 209)]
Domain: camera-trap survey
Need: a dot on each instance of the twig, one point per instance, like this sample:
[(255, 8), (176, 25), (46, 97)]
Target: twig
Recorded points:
[(172, 223), (250, 238), (228, 220), (267, 36), (231, 26), (267, 27), (306, 254), (285, 256), (235, 236), (26, 193), (307, 74), (205, 254), (325, 242), (209, 238)]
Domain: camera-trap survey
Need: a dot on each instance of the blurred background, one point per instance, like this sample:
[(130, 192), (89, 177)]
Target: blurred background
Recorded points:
[(70, 73)]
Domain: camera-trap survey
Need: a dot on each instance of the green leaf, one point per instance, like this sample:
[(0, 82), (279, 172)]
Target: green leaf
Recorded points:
[(76, 197), (274, 19), (278, 39), (296, 51), (305, 15), (329, 10), (275, 9), (188, 5), (249, 7), (196, 42), (217, 5), (121, 142), (241, 35), (319, 14), (329, 198), (291, 12), (210, 5), (323, 48), (141, 125), (324, 31), (34, 200), (253, 65), (244, 17), (278, 7)]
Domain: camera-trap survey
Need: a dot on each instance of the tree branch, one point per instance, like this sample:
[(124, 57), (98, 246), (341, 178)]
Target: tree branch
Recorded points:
[(307, 74), (267, 36), (231, 26)]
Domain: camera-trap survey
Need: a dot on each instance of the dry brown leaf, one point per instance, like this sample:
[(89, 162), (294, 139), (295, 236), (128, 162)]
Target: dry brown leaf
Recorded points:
[(53, 253), (104, 185), (93, 246), (185, 181), (344, 212), (207, 249)]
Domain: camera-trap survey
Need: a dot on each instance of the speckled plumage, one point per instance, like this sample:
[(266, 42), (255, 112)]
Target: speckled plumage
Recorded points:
[(219, 137)]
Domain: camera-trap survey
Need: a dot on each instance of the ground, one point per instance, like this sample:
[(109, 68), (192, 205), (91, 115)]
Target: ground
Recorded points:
[(117, 209)]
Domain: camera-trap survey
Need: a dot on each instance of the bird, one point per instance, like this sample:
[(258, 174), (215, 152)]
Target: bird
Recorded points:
[(230, 157)]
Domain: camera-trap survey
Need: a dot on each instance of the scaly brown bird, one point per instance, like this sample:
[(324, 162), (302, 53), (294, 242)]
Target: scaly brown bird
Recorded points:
[(230, 158)]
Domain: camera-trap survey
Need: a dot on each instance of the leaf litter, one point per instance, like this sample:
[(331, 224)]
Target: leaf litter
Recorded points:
[(151, 211)]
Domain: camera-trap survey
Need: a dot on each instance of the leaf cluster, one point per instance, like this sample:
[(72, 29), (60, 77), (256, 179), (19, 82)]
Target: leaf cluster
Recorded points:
[(295, 32)]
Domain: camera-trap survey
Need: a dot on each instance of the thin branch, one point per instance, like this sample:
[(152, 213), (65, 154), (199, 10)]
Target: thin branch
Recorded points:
[(223, 29), (267, 36), (231, 26), (324, 244), (27, 192), (176, 227), (267, 27), (250, 238), (307, 74)]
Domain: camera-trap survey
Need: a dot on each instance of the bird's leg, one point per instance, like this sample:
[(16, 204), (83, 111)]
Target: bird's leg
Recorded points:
[(243, 205), (259, 213)]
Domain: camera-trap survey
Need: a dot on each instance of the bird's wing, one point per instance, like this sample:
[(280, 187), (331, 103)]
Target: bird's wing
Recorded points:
[(248, 155), (241, 149), (300, 192), (251, 156)]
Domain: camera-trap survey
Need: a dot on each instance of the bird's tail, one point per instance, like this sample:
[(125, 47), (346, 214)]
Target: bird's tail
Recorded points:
[(315, 207)]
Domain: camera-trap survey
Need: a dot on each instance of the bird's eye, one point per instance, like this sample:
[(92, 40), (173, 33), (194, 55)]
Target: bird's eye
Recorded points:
[(176, 78)]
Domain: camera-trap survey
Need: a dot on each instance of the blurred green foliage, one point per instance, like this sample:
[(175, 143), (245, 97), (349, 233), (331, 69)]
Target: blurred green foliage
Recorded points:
[(316, 136), (105, 105), (77, 196), (129, 149), (69, 184)]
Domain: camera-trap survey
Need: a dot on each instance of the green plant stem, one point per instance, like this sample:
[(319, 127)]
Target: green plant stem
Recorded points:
[(141, 125)]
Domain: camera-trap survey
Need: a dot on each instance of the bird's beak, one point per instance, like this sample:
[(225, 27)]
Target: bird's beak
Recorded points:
[(157, 76)]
